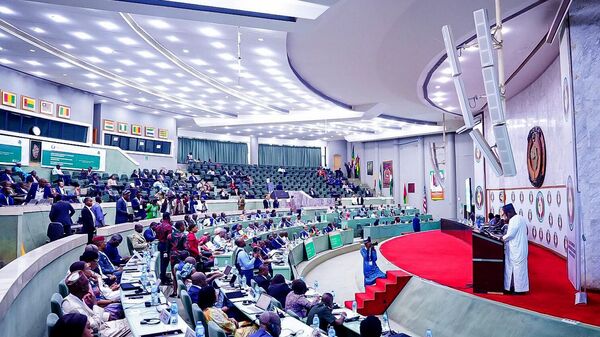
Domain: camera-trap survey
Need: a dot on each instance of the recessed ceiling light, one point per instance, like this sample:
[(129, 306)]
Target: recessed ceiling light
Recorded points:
[(119, 92), (6, 10), (82, 35), (64, 65), (212, 90), (210, 32), (266, 52), (6, 61), (195, 83), (38, 30), (103, 101), (94, 59), (58, 18), (131, 107), (39, 74), (118, 70), (142, 99), (172, 38), (93, 84), (211, 71), (32, 50), (167, 81), (447, 71), (147, 72), (268, 63), (163, 65), (91, 76), (160, 24), (273, 71), (225, 79), (437, 87), (68, 46), (282, 79), (127, 62), (438, 94), (179, 75), (105, 50), (127, 41), (179, 117), (116, 85), (145, 54), (443, 79), (161, 88), (108, 25), (140, 80), (218, 44), (185, 89), (450, 108), (186, 51), (155, 112), (33, 63), (261, 39), (226, 56), (199, 62)]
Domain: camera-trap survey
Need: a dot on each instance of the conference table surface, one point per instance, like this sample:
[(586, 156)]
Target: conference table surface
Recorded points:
[(135, 309)]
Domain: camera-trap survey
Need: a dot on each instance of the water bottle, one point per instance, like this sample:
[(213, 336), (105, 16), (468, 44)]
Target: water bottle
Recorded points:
[(256, 292), (154, 296), (242, 280), (315, 322), (174, 313), (428, 333), (217, 263), (316, 285), (355, 306), (331, 331), (144, 278), (199, 329)]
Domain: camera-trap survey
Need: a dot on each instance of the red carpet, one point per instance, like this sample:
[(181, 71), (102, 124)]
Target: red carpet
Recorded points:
[(378, 297), (447, 260)]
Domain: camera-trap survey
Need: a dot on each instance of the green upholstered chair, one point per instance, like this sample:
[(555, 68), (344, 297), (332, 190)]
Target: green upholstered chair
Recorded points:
[(214, 330), (56, 304), (62, 289), (186, 300), (51, 320), (199, 317)]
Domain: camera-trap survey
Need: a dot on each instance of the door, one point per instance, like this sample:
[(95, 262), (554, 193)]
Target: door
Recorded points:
[(337, 161)]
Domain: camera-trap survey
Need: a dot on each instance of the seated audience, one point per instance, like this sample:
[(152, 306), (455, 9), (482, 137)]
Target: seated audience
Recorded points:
[(72, 325), (297, 302), (279, 289), (137, 238), (270, 325), (219, 317), (263, 278), (323, 310), (370, 327)]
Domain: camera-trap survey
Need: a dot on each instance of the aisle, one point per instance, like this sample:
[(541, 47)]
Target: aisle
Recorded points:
[(447, 260)]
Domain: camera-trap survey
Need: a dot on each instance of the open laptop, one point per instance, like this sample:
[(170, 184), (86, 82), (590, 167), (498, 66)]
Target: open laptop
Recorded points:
[(227, 272), (262, 304)]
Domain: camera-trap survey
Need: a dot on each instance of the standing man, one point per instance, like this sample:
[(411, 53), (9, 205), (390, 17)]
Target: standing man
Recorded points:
[(416, 222), (98, 212), (515, 251), (88, 219), (163, 230), (243, 262), (62, 211), (122, 215)]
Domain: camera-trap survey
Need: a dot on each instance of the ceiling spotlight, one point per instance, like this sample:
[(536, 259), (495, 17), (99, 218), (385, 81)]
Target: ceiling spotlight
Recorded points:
[(108, 25), (218, 44), (199, 62), (33, 63), (38, 30), (210, 32), (145, 54), (186, 51), (64, 65), (94, 59), (82, 35), (6, 61), (127, 62), (105, 50), (127, 41), (58, 18), (6, 10), (40, 74), (160, 24), (444, 79), (172, 38), (266, 52)]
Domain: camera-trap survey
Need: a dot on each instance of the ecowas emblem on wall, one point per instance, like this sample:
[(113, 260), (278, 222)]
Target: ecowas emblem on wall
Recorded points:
[(536, 156)]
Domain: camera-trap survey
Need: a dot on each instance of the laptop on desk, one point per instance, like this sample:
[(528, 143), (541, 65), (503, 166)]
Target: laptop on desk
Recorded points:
[(263, 303)]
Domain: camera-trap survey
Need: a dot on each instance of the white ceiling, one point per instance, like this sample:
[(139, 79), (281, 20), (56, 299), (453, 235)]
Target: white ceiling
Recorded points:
[(378, 55), (354, 52)]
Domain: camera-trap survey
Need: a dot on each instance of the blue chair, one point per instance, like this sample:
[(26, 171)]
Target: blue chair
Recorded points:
[(51, 320), (56, 304), (186, 300), (62, 289), (199, 317), (215, 331)]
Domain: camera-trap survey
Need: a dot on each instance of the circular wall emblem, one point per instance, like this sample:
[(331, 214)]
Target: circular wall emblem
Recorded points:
[(555, 239), (566, 244), (478, 197), (566, 93), (492, 197), (527, 229), (521, 197), (559, 222), (520, 212), (549, 198), (513, 196), (540, 206), (529, 215), (558, 198), (477, 154), (570, 202), (531, 197), (548, 236), (536, 156), (502, 197), (534, 232), (550, 219), (541, 235)]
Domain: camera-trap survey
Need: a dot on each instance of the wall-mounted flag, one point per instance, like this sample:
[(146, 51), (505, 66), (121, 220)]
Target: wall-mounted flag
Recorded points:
[(9, 99), (123, 127), (136, 129), (108, 125), (150, 132), (63, 111), (28, 103)]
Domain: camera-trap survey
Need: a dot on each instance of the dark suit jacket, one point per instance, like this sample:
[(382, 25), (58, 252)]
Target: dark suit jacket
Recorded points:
[(62, 212), (122, 215), (87, 220), (6, 200), (6, 177)]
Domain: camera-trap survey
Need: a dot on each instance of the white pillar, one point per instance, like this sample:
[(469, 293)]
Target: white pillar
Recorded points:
[(253, 150)]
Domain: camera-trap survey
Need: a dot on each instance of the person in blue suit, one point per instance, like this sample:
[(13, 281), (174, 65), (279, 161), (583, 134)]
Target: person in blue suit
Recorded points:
[(371, 271), (416, 223), (122, 215), (43, 187), (7, 176), (5, 198), (61, 212)]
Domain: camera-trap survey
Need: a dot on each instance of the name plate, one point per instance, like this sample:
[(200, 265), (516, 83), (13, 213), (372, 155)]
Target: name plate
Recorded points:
[(165, 317)]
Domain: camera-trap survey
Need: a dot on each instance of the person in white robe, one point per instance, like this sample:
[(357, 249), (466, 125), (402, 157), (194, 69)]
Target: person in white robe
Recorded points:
[(516, 276)]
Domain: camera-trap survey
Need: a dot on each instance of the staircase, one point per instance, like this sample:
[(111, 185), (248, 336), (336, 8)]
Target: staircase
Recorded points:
[(378, 297)]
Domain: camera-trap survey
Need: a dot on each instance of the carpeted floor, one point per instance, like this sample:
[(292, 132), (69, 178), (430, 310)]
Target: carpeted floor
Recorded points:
[(447, 260)]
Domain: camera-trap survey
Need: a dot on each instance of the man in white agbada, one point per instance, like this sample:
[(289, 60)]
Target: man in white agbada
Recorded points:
[(516, 251)]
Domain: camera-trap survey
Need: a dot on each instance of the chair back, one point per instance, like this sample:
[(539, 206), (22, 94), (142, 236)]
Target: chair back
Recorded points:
[(186, 300), (51, 320), (214, 330), (199, 317), (62, 289), (180, 286), (275, 303), (293, 314), (56, 304), (129, 245)]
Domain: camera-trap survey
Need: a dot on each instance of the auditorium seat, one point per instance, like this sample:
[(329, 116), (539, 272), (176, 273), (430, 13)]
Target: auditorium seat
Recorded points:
[(62, 289), (199, 316), (56, 304), (51, 320), (214, 330)]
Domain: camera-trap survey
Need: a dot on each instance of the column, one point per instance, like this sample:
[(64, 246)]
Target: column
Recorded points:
[(253, 150)]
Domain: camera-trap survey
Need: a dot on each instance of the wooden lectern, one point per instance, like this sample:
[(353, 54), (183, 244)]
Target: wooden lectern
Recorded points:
[(488, 263)]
